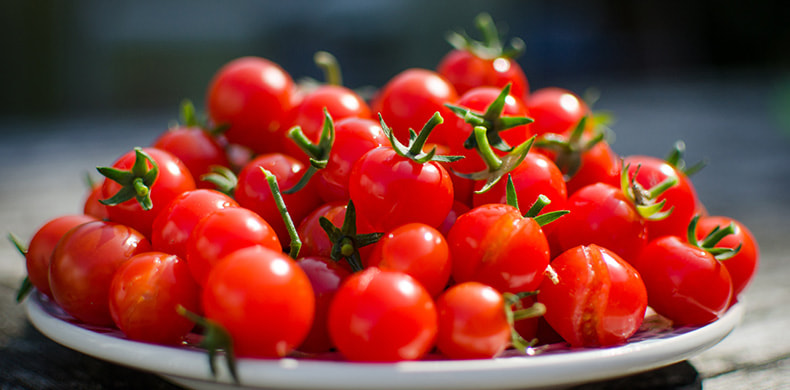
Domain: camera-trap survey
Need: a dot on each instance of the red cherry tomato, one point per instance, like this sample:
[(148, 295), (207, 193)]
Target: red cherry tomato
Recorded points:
[(325, 277), (144, 294), (353, 138), (466, 71), (263, 299), (83, 265), (315, 241), (472, 322), (600, 214), (340, 102), (382, 316), (172, 179), (173, 226), (92, 206), (196, 148), (224, 231), (389, 190), (255, 97), (599, 300), (743, 265), (43, 243), (418, 250), (253, 192), (493, 244), (410, 99), (681, 198), (598, 164), (555, 110), (684, 283)]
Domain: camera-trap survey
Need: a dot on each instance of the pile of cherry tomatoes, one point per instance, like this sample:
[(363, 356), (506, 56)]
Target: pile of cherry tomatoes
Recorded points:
[(455, 213)]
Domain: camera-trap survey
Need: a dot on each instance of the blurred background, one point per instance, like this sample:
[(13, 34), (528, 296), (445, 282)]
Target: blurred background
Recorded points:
[(86, 56)]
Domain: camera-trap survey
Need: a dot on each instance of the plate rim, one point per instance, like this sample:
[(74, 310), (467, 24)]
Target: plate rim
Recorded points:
[(190, 367)]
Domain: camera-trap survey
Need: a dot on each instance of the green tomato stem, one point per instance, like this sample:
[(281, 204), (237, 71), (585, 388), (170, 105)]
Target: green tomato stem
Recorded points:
[(331, 67), (296, 242), (484, 148)]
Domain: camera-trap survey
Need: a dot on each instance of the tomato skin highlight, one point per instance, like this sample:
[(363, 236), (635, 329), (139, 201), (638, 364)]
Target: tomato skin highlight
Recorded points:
[(382, 316), (472, 322), (600, 299), (263, 299), (83, 265), (42, 245), (555, 110), (144, 294), (684, 283), (493, 244)]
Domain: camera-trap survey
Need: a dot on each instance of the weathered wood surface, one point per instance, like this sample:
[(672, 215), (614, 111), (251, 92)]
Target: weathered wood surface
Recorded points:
[(735, 124)]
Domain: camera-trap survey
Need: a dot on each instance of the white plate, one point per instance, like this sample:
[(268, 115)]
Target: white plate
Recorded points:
[(652, 347)]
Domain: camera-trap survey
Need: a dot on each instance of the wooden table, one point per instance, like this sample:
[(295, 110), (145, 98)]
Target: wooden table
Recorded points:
[(734, 122)]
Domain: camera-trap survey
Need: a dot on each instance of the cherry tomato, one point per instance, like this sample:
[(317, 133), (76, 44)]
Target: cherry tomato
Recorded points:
[(325, 277), (83, 265), (410, 98), (382, 316), (173, 226), (255, 97), (353, 138), (600, 214), (43, 243), (390, 190), (466, 71), (315, 241), (144, 294), (684, 283), (263, 299), (459, 208), (418, 250), (555, 110), (253, 192), (599, 299), (743, 265), (472, 322), (495, 245), (680, 198), (172, 179), (196, 148), (340, 102), (223, 231)]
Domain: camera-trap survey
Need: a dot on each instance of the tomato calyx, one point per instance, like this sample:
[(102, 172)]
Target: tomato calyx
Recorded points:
[(135, 183), (536, 207), (414, 150), (675, 158), (709, 242), (215, 338), (520, 313), (223, 179), (491, 46), (569, 150), (26, 286), (492, 120), (345, 240), (497, 166), (644, 199), (318, 152)]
